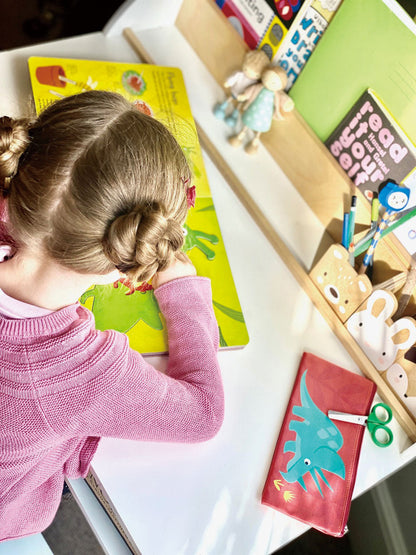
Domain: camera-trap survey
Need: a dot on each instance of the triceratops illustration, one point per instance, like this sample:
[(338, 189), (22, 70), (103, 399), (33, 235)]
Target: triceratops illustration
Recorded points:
[(316, 445)]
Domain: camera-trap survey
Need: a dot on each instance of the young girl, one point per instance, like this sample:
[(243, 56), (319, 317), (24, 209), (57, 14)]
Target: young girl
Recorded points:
[(93, 189)]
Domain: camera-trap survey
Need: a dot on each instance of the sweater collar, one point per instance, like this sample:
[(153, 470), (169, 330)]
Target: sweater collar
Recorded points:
[(50, 323)]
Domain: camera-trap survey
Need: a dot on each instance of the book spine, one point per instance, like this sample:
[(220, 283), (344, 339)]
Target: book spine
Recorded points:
[(262, 25), (304, 34)]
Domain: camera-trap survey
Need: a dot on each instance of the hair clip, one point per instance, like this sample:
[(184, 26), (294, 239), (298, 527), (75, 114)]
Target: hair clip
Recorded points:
[(191, 196), (142, 288), (190, 192)]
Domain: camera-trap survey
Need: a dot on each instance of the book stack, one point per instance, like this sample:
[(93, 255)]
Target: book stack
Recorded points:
[(263, 24), (287, 30)]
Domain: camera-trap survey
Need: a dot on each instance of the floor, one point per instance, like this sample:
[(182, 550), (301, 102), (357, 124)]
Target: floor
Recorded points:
[(70, 534), (33, 21)]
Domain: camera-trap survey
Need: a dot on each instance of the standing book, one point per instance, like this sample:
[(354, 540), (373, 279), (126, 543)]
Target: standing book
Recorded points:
[(263, 24), (305, 32), (370, 146), (159, 92)]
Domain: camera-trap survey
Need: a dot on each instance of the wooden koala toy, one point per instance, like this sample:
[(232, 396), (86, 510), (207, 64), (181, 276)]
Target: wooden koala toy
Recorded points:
[(339, 283)]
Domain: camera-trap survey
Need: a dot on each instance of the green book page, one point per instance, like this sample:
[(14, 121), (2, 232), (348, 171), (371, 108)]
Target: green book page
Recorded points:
[(365, 45)]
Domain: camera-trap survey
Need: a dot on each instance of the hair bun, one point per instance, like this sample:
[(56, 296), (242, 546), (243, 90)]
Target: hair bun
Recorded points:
[(143, 242), (14, 138)]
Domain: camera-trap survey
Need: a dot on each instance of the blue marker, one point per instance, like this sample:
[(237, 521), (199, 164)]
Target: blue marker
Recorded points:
[(351, 224), (345, 230)]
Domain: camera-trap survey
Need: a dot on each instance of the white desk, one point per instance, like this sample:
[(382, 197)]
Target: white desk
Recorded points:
[(205, 498)]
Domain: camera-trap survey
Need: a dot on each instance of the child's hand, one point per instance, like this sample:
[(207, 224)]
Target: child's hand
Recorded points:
[(180, 267)]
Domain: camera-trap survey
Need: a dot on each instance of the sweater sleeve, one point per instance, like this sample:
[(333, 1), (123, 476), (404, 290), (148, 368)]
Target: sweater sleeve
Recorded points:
[(186, 404)]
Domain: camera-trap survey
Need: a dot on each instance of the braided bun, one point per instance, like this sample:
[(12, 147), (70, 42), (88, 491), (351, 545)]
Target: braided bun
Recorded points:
[(14, 138), (143, 242)]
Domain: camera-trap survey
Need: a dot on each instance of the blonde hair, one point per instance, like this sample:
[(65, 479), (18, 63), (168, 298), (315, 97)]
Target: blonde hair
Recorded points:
[(96, 184)]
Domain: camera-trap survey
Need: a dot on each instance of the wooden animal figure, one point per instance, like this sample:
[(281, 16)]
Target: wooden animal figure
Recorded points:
[(381, 339), (263, 102), (398, 379), (408, 363), (255, 61), (339, 283)]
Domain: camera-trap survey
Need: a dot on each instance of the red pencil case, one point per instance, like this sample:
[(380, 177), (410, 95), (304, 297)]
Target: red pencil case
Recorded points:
[(314, 466)]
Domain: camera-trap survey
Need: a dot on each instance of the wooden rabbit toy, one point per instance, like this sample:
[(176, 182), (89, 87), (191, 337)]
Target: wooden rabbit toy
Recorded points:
[(263, 102), (381, 339), (255, 61)]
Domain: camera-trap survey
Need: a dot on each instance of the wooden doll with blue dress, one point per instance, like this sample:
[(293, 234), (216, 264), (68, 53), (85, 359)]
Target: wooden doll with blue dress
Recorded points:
[(254, 63), (264, 102)]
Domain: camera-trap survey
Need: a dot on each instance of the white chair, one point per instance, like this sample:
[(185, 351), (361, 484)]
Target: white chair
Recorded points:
[(30, 545)]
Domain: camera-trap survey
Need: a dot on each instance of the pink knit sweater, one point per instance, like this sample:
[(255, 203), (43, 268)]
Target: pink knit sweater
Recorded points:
[(63, 385)]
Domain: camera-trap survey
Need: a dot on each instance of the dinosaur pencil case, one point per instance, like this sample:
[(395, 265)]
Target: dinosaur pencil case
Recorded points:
[(314, 465)]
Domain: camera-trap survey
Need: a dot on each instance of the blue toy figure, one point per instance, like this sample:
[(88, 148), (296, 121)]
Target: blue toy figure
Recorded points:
[(255, 61), (263, 102)]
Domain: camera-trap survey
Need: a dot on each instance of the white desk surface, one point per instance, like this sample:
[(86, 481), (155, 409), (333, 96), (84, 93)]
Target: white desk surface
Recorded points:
[(205, 498)]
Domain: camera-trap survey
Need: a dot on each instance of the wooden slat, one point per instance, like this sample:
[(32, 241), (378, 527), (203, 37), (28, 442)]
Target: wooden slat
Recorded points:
[(294, 146)]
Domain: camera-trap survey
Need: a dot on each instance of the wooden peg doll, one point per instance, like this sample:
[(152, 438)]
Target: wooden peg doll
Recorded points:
[(255, 61), (263, 102)]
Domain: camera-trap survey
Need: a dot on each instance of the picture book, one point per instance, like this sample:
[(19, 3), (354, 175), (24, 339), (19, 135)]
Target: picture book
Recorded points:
[(304, 34), (159, 92), (370, 146), (369, 44), (263, 24), (313, 469)]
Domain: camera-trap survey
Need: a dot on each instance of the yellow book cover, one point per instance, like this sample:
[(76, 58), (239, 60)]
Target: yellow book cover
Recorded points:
[(159, 92)]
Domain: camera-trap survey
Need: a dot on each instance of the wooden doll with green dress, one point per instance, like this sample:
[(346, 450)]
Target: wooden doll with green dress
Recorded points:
[(263, 102)]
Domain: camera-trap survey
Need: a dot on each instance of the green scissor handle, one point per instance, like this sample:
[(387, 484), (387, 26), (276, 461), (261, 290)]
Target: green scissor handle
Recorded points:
[(380, 415)]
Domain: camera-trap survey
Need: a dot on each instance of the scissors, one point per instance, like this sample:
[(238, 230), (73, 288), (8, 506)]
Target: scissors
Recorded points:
[(376, 422)]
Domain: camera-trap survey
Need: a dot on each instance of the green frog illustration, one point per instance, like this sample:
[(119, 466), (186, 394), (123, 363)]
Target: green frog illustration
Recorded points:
[(192, 239), (121, 306), (116, 308)]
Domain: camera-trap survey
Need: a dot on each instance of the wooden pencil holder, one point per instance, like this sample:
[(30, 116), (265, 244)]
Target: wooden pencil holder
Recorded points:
[(388, 344), (342, 287), (382, 340), (367, 315)]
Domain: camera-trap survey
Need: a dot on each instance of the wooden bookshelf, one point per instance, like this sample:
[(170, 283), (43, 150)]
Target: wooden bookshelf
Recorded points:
[(309, 166)]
